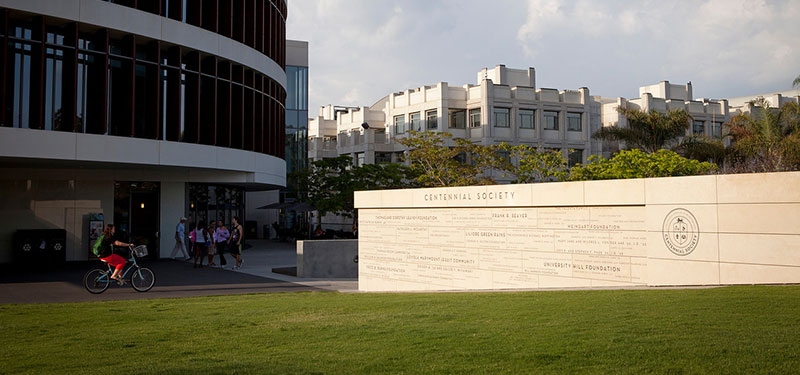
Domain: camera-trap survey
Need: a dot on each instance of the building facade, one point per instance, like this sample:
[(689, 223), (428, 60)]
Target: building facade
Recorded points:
[(137, 113), (296, 146), (505, 106)]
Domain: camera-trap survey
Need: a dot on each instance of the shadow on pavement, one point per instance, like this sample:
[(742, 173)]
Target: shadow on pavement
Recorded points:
[(173, 279)]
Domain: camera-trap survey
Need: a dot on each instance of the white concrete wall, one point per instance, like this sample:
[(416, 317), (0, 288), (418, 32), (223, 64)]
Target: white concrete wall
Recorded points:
[(699, 230), (53, 199)]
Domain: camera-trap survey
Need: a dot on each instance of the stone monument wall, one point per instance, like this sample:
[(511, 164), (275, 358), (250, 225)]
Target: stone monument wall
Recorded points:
[(699, 230)]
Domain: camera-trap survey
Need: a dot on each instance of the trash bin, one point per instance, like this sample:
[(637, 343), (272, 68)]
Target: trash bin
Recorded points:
[(40, 247)]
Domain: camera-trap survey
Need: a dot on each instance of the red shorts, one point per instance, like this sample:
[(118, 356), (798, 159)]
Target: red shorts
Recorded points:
[(115, 260)]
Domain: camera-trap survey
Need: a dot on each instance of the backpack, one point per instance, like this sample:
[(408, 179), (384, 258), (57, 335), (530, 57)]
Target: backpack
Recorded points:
[(97, 249)]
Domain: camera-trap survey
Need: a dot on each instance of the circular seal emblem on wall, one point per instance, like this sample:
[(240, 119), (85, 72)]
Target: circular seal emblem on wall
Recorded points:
[(681, 232)]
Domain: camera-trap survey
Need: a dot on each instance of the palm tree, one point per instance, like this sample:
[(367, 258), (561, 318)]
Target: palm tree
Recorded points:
[(648, 131), (796, 82), (766, 140)]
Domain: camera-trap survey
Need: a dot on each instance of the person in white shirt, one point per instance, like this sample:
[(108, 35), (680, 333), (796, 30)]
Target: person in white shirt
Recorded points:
[(212, 248), (179, 240)]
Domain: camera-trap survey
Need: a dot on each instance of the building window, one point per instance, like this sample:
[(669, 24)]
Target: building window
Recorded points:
[(698, 127), (19, 82), (575, 157), (501, 119), (526, 119), (716, 129), (431, 119), (383, 157), (550, 120), (574, 121), (360, 159), (399, 124), (54, 67), (296, 88), (416, 122), (475, 118), (458, 119)]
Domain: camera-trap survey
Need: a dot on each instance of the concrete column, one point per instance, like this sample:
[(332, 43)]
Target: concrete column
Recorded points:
[(444, 108), (173, 206), (487, 103)]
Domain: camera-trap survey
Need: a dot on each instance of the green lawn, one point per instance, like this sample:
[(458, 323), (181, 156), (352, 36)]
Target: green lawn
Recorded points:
[(722, 330)]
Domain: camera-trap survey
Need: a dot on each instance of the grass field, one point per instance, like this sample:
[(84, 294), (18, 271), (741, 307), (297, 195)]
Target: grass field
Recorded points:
[(722, 330)]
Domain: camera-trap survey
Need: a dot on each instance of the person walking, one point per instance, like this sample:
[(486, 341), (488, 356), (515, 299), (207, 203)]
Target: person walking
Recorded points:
[(221, 236), (235, 242), (200, 243), (180, 244), (212, 238), (190, 244)]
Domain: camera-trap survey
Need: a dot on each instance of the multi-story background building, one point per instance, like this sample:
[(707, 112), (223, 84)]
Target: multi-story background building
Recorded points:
[(137, 113), (505, 106), (296, 149)]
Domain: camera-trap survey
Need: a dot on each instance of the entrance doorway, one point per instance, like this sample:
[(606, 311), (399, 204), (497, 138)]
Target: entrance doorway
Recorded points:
[(137, 214)]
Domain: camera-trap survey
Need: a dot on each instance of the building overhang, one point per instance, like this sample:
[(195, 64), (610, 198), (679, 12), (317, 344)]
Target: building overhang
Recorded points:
[(152, 159)]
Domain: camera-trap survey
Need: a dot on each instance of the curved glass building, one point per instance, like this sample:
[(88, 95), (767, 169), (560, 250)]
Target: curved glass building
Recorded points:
[(136, 112)]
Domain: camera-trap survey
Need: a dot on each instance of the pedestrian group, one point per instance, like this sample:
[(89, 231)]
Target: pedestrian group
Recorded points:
[(208, 241)]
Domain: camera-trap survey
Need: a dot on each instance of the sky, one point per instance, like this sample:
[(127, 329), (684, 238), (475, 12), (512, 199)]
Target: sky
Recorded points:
[(362, 50)]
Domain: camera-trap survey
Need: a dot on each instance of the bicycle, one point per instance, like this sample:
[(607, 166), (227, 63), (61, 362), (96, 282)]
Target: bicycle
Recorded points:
[(142, 279)]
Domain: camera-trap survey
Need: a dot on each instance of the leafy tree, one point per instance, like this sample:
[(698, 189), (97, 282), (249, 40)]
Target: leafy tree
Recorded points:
[(527, 164), (438, 164), (637, 164), (703, 148), (329, 184), (648, 131), (766, 140)]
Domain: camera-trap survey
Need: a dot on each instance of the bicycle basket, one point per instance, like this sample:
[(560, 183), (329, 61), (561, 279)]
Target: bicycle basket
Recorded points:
[(140, 251)]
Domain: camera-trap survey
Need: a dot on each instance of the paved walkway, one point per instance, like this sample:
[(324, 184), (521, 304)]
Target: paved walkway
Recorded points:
[(173, 279), (264, 255)]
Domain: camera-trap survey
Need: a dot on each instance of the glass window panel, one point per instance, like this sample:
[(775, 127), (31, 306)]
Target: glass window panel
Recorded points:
[(291, 87), (19, 82), (550, 120), (698, 127), (526, 119), (54, 64), (575, 157), (416, 122), (432, 119), (716, 129), (458, 119), (501, 118), (475, 118), (574, 121), (399, 124)]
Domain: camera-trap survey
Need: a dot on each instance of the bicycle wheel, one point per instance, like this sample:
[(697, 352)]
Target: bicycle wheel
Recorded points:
[(96, 281), (142, 279)]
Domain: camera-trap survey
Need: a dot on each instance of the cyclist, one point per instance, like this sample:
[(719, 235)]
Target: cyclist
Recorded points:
[(107, 255)]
